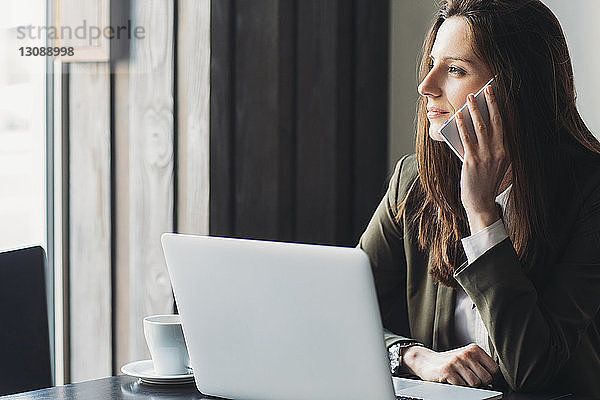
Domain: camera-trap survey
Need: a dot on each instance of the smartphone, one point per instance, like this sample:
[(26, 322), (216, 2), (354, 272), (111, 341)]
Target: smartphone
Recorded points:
[(449, 131)]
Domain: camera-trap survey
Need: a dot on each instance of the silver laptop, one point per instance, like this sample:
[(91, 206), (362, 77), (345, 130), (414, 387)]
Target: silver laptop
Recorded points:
[(270, 320)]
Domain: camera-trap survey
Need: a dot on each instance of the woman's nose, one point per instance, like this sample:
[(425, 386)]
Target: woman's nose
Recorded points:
[(429, 87)]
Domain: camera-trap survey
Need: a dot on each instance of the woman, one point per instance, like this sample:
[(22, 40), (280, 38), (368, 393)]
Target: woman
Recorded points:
[(491, 267)]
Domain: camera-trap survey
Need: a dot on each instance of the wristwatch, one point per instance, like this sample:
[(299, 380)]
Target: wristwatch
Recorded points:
[(395, 354)]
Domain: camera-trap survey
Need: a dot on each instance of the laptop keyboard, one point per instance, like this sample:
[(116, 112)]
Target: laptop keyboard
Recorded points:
[(408, 398)]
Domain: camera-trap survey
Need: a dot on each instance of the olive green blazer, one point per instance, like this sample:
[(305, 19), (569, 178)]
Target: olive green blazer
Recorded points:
[(544, 326)]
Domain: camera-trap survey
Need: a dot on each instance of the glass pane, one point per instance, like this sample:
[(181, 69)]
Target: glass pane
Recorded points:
[(22, 126)]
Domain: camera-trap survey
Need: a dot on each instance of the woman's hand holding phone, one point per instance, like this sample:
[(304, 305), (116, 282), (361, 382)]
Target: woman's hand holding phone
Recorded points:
[(485, 163)]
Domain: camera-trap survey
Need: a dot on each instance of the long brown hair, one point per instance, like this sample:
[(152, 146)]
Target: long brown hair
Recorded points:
[(522, 42)]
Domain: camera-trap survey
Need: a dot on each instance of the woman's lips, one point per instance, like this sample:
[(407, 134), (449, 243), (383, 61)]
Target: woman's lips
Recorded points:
[(436, 114)]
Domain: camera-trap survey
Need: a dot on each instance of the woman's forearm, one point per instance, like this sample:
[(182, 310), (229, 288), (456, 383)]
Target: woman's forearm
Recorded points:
[(533, 333)]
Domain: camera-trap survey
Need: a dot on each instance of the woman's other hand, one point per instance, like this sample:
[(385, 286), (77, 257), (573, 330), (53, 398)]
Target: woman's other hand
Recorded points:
[(465, 366), (485, 163)]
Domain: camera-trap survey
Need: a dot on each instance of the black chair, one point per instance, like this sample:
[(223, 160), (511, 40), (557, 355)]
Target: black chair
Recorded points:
[(24, 336)]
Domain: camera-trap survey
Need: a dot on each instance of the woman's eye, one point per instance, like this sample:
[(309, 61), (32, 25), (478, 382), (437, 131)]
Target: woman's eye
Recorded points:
[(456, 71)]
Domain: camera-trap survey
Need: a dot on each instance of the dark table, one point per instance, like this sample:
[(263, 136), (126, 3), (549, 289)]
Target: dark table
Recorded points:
[(125, 387)]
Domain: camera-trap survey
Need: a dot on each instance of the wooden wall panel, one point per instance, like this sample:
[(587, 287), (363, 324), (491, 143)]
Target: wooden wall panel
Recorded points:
[(193, 97), (343, 150), (286, 43), (151, 162), (222, 126), (89, 227), (318, 118), (253, 54), (369, 111), (119, 51), (298, 118), (256, 109)]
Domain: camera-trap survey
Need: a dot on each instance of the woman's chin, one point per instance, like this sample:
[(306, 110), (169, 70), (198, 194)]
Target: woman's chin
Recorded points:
[(433, 134)]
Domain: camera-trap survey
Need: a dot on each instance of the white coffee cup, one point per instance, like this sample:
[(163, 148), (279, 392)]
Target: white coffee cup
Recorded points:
[(164, 337)]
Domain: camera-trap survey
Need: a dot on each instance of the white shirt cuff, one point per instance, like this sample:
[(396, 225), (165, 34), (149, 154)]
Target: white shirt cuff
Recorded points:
[(480, 242)]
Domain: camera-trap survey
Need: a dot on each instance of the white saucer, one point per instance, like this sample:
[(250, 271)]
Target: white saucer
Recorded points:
[(145, 371)]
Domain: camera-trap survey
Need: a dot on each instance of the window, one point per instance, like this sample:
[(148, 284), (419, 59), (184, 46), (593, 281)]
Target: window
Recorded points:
[(22, 129)]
